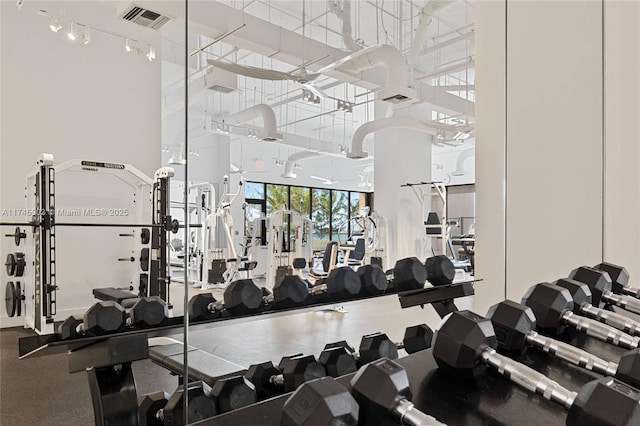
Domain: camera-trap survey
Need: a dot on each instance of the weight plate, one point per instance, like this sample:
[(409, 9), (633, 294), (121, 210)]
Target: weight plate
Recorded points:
[(10, 263), (18, 298), (18, 235), (20, 264), (10, 299)]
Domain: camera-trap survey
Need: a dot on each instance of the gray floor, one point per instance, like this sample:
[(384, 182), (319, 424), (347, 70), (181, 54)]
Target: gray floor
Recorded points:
[(40, 391)]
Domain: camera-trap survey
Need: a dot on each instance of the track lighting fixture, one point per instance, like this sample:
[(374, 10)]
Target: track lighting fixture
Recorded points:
[(151, 54), (72, 32), (86, 35), (55, 25)]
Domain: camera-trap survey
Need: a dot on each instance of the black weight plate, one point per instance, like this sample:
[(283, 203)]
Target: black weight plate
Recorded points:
[(18, 298), (10, 263), (20, 264), (10, 299), (18, 235)]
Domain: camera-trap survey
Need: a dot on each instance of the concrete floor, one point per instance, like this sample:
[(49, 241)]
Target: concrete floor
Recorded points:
[(40, 391)]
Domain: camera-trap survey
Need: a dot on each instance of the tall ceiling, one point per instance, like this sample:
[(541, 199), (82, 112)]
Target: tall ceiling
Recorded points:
[(445, 58)]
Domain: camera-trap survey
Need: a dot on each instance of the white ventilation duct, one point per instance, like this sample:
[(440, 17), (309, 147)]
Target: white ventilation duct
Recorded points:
[(346, 27), (265, 112), (464, 156), (426, 16), (289, 165), (401, 122), (391, 59)]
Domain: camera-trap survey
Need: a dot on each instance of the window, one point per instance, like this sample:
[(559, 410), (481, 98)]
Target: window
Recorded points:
[(330, 211), (339, 216), (277, 196), (320, 215), (356, 201), (253, 190), (301, 200)]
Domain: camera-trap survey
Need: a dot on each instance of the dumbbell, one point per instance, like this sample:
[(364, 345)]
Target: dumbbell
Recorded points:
[(103, 317), (372, 278), (600, 284), (466, 345), (295, 370), (382, 391), (411, 274), (321, 401), (582, 303), (15, 264), (241, 297), (339, 358), (227, 394), (553, 308), (515, 325), (147, 312), (619, 278), (291, 291), (341, 283)]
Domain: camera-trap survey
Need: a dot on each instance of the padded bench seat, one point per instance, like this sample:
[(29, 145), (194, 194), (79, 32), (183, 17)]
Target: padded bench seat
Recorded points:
[(113, 294), (203, 366)]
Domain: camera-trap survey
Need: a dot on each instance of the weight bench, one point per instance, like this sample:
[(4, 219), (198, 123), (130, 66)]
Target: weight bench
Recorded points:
[(114, 294), (203, 366)]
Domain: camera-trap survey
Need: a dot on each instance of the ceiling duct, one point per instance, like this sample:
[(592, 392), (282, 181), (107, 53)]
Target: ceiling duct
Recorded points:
[(387, 56), (402, 122), (426, 16), (291, 161), (462, 158), (347, 38), (141, 16), (268, 133)]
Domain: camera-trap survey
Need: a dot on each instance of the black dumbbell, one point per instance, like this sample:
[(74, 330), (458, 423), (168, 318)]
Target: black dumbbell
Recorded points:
[(440, 270), (340, 358), (227, 394), (103, 317), (15, 264), (515, 325), (372, 278), (582, 303), (147, 312), (291, 291), (341, 283), (381, 389), (296, 370), (318, 402), (17, 235), (409, 274), (553, 309), (241, 297), (619, 279), (600, 284), (157, 410), (466, 344)]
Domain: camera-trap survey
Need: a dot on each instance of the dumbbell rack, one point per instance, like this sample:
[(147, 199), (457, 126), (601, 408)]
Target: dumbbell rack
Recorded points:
[(489, 400), (107, 359)]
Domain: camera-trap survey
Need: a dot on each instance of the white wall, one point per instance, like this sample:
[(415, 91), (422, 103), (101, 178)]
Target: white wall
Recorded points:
[(76, 101), (447, 162), (622, 136), (539, 147)]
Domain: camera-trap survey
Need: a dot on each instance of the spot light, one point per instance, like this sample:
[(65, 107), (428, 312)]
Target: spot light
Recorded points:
[(86, 35), (72, 32), (151, 54), (55, 24)]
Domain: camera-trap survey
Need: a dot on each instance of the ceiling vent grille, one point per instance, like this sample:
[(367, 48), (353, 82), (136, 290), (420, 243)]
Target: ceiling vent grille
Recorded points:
[(144, 17)]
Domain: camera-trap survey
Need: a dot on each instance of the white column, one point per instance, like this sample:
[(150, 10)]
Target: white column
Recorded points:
[(550, 158), (622, 135), (401, 156), (490, 38)]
